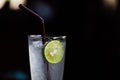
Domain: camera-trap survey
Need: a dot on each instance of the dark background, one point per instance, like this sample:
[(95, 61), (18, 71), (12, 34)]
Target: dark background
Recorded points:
[(101, 39), (17, 25)]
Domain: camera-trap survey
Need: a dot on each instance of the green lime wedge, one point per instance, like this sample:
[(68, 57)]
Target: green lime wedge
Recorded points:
[(54, 51)]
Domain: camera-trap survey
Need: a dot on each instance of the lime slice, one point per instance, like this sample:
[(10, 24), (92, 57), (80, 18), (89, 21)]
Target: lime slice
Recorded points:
[(54, 51)]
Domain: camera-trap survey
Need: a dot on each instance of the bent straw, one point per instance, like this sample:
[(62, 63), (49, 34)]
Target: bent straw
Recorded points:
[(29, 11)]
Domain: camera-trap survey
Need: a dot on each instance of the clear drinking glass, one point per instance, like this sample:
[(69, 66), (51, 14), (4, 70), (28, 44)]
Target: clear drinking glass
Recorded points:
[(40, 68)]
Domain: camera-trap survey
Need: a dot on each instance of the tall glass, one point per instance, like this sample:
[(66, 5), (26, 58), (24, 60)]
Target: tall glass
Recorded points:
[(40, 68)]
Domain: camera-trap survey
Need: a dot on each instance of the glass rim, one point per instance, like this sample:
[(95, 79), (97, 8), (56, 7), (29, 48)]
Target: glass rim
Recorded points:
[(36, 36)]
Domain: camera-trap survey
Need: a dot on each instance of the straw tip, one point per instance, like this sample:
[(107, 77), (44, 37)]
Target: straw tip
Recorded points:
[(20, 5)]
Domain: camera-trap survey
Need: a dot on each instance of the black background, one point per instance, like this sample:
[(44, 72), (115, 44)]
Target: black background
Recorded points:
[(101, 39)]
